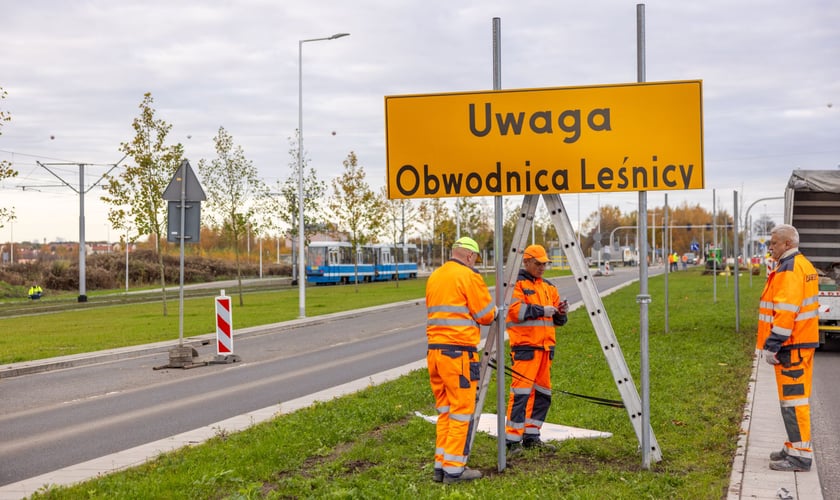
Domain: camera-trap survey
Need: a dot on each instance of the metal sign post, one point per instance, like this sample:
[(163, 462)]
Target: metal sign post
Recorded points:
[(643, 299), (182, 190), (501, 298)]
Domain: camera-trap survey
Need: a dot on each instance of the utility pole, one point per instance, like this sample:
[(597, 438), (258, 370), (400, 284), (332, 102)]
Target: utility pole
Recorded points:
[(81, 192)]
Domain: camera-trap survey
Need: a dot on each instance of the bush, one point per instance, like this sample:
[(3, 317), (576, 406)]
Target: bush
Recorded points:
[(107, 271)]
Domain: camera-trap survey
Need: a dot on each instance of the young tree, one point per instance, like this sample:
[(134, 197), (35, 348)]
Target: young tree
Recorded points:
[(357, 210), (235, 194), (469, 213), (763, 225), (6, 170), (400, 215), (432, 213), (601, 225), (687, 225), (136, 195), (477, 220), (314, 190)]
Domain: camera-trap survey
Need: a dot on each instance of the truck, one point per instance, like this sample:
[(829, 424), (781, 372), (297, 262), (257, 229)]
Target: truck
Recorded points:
[(812, 206), (629, 256)]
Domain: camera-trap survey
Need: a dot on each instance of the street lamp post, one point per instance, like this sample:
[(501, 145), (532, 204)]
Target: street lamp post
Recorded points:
[(301, 262)]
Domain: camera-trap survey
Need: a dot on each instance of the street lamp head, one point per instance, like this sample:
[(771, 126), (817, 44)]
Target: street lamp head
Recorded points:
[(339, 35)]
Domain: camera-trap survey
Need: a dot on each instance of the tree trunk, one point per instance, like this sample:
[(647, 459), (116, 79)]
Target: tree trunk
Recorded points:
[(238, 269), (356, 274), (162, 271)]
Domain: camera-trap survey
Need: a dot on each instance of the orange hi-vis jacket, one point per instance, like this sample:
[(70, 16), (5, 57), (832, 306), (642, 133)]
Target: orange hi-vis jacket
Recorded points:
[(788, 313), (526, 324), (457, 301)]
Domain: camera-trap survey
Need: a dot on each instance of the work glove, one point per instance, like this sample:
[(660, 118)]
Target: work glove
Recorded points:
[(549, 311), (770, 357)]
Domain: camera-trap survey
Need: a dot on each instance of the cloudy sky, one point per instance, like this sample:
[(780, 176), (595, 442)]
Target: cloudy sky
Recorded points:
[(76, 70)]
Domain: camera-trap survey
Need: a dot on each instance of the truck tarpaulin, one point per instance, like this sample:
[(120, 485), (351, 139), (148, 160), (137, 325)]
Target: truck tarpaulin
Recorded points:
[(812, 205)]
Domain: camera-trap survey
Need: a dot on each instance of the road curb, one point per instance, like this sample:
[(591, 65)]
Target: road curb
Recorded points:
[(83, 359), (736, 477)]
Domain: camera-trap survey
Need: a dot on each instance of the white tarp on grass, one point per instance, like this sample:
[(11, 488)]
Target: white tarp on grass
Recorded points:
[(548, 432)]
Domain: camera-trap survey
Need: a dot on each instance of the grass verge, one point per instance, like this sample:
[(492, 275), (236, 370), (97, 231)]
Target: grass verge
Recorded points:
[(95, 328), (369, 445)]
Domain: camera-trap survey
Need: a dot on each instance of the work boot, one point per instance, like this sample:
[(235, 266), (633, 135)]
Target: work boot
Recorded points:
[(778, 455), (791, 464), (467, 475), (538, 443), (514, 448), (438, 476)]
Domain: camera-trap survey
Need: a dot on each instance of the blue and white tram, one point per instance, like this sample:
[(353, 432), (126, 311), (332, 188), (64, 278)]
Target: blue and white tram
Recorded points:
[(331, 262), (394, 262)]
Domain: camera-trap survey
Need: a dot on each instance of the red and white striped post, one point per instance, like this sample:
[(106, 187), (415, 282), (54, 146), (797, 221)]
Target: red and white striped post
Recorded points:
[(224, 325)]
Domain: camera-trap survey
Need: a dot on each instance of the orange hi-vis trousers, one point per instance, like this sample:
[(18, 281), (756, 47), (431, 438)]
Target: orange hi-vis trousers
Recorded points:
[(530, 393), (793, 379), (453, 374)]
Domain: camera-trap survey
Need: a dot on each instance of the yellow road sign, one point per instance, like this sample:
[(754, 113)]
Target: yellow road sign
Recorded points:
[(608, 138)]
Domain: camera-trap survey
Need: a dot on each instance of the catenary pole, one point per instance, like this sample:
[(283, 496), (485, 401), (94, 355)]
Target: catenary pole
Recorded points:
[(81, 192), (82, 253)]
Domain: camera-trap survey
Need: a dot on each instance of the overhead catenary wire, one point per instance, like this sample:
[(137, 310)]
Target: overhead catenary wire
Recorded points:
[(28, 178)]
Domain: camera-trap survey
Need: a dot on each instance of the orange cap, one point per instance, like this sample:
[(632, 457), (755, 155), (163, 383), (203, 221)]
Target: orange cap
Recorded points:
[(536, 252)]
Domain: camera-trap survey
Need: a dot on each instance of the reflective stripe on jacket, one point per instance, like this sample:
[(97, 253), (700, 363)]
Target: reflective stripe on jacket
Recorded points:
[(788, 313), (526, 324), (457, 302)]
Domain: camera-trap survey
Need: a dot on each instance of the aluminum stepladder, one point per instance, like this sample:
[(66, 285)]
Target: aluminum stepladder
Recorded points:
[(591, 299)]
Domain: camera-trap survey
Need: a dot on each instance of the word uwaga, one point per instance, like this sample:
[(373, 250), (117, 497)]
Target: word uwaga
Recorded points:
[(541, 122), (631, 178)]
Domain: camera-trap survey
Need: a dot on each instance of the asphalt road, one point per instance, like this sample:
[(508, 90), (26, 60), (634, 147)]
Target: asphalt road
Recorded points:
[(58, 418)]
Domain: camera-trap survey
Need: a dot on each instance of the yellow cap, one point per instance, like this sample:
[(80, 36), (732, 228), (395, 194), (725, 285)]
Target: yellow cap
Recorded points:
[(467, 243)]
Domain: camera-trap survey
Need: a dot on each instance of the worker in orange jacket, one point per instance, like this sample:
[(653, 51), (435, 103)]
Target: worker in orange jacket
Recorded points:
[(457, 302), (534, 312), (788, 334)]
